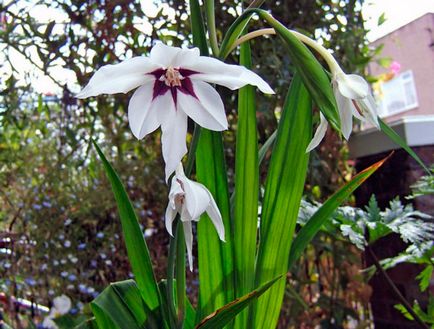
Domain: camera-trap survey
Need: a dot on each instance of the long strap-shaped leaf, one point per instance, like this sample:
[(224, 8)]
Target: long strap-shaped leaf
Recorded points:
[(138, 253), (121, 304), (227, 313), (215, 257), (245, 220), (308, 231), (283, 192)]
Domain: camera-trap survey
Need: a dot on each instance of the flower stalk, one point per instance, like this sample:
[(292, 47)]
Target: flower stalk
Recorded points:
[(210, 19), (251, 35)]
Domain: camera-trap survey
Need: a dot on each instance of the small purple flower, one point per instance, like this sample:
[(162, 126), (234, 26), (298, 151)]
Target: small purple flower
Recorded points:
[(100, 235), (72, 277), (46, 204), (81, 246), (30, 281)]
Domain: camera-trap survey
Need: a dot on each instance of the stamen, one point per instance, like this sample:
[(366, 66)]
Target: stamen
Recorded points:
[(172, 77)]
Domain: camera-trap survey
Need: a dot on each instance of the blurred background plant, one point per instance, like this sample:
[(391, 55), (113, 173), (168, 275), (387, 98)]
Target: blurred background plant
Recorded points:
[(60, 232)]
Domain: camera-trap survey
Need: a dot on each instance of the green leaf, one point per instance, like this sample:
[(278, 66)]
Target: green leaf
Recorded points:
[(381, 19), (245, 221), (404, 311), (123, 305), (227, 313), (308, 231), (215, 257), (138, 253), (268, 143), (233, 33), (102, 319), (68, 321), (198, 28), (283, 192), (424, 277), (216, 269), (88, 324), (398, 140), (190, 312)]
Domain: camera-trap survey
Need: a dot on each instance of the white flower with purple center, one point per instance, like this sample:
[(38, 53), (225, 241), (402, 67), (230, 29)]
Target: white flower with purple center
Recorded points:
[(173, 85)]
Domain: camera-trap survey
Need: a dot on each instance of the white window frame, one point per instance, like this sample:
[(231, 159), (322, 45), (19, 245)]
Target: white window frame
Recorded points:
[(401, 79)]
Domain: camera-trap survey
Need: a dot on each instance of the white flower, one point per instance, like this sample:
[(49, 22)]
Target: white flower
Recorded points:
[(352, 93), (173, 84), (191, 199), (353, 98), (61, 306)]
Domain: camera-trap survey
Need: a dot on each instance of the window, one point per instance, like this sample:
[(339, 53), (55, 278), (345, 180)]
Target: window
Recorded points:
[(398, 95)]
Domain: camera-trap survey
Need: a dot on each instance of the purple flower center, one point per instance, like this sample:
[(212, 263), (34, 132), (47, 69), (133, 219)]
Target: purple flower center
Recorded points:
[(173, 79)]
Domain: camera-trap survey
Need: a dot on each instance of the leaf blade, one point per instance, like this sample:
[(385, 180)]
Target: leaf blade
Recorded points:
[(308, 231), (138, 253), (227, 313), (245, 221), (283, 192)]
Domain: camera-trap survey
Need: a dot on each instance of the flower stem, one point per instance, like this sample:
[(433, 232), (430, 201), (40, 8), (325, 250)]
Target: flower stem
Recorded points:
[(170, 275), (192, 152), (330, 60), (180, 274), (210, 19), (250, 36)]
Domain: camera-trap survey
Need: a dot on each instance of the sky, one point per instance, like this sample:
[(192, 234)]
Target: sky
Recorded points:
[(397, 13)]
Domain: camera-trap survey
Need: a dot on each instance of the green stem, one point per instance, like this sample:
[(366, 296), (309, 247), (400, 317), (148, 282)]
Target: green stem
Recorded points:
[(180, 274), (192, 152), (170, 276), (398, 294), (210, 19)]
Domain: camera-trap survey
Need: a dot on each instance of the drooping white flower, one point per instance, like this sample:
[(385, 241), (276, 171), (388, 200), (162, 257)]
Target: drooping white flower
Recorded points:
[(352, 93), (173, 85), (61, 306), (353, 98), (190, 200)]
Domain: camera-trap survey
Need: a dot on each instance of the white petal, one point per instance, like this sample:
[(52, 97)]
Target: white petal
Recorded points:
[(196, 200), (174, 132), (345, 108), (49, 323), (119, 78), (175, 189), (369, 110), (352, 86), (207, 110), (188, 234), (319, 134), (214, 214), (62, 304), (172, 56), (142, 115), (231, 76)]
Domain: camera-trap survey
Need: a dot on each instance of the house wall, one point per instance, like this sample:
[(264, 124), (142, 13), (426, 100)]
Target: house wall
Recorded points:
[(413, 47)]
